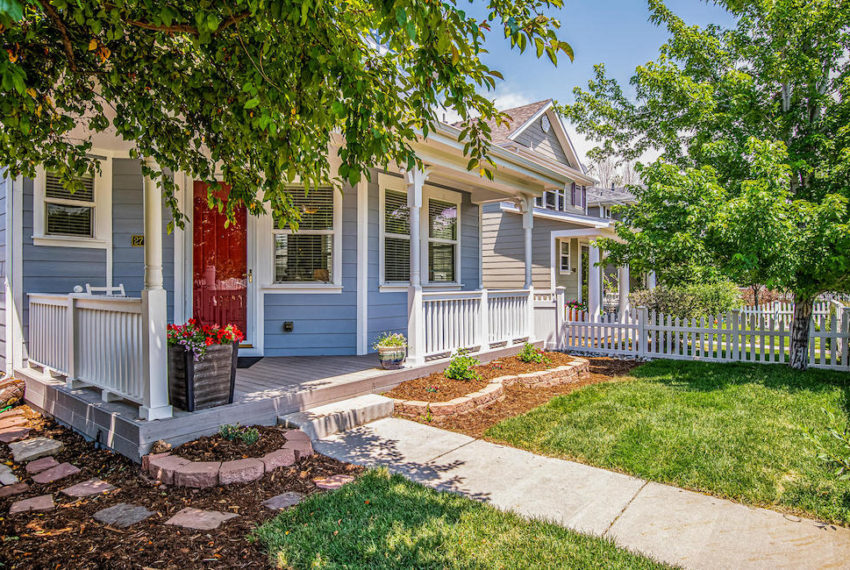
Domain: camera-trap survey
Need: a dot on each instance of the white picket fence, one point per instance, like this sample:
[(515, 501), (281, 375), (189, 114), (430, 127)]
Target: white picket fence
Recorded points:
[(474, 320), (91, 340), (737, 336)]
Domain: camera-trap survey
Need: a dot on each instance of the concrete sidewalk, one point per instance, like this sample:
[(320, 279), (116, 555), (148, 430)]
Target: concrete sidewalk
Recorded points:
[(669, 524)]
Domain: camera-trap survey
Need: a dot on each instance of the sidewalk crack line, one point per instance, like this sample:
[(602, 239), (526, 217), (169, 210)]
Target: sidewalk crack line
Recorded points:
[(623, 510)]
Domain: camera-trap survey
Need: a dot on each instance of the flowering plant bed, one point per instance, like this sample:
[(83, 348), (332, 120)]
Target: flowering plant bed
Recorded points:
[(196, 338), (490, 388), (446, 389)]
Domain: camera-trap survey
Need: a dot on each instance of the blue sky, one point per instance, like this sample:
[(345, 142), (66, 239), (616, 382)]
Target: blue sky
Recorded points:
[(614, 32)]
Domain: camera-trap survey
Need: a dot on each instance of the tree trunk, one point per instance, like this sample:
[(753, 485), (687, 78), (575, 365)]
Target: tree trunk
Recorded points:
[(800, 332)]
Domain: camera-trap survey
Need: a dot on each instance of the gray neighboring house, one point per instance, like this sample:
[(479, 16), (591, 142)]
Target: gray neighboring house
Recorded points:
[(565, 221)]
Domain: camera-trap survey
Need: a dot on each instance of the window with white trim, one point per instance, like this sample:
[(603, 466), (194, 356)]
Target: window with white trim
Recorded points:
[(564, 256), (443, 240), (396, 226), (306, 255), (68, 214), (82, 218)]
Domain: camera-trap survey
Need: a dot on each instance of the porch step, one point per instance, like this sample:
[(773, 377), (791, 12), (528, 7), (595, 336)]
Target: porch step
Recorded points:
[(340, 416)]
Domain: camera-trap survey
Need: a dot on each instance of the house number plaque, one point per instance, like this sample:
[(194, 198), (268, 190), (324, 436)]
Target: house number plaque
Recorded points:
[(137, 240)]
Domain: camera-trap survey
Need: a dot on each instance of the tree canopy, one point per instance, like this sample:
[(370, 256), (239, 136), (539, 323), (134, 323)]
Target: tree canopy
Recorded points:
[(752, 127), (251, 92)]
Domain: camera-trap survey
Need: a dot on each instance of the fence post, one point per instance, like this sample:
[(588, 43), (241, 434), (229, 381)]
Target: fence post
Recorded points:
[(71, 339), (844, 344), (560, 306), (641, 340), (529, 314), (484, 325), (736, 314)]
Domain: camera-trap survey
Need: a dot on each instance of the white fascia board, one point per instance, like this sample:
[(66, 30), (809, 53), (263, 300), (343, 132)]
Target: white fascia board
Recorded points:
[(589, 221)]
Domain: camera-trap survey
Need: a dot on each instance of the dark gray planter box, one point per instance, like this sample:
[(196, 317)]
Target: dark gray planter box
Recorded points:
[(206, 383)]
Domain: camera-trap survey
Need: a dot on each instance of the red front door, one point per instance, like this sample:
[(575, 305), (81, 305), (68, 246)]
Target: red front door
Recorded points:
[(220, 264)]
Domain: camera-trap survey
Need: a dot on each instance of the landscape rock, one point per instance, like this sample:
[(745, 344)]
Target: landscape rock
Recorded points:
[(7, 477), (19, 411), (13, 421), (160, 446), (284, 500), (8, 435), (146, 460), (34, 448), (122, 515), (279, 458), (40, 465), (86, 488), (13, 489), (301, 449), (40, 503), (55, 473), (333, 482), (240, 471), (163, 468), (197, 474), (297, 435), (198, 519)]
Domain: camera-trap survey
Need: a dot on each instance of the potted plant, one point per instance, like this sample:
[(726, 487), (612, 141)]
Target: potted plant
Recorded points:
[(202, 364), (576, 310), (392, 350)]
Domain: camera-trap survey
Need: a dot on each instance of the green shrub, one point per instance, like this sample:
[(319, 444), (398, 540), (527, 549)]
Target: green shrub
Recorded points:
[(232, 432), (461, 367), (387, 339), (530, 353), (249, 436), (689, 301)]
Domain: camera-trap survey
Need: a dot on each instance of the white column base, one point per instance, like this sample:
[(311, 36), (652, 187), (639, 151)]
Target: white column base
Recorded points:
[(415, 327)]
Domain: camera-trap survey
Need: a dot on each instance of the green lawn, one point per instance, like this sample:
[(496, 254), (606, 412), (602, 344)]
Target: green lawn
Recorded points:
[(733, 430), (383, 521)]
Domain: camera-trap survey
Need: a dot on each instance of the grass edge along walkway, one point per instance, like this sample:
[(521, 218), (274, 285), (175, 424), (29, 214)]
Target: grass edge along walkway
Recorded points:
[(386, 521), (731, 430)]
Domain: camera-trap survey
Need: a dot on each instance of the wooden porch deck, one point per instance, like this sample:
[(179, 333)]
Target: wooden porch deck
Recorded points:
[(270, 388)]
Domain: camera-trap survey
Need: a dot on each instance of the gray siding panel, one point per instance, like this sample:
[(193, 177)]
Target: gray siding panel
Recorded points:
[(323, 324), (128, 219), (503, 259), (546, 144)]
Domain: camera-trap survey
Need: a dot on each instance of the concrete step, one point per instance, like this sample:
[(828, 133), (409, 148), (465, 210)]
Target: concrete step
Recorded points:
[(329, 419)]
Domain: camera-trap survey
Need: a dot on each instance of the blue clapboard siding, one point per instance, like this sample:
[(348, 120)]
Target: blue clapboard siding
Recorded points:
[(323, 324), (48, 269), (388, 310), (4, 273), (128, 263)]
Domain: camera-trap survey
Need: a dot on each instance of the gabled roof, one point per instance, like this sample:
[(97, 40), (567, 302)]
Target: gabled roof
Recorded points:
[(519, 117)]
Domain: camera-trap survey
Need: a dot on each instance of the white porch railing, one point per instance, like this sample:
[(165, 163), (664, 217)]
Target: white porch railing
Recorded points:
[(474, 320), (91, 340)]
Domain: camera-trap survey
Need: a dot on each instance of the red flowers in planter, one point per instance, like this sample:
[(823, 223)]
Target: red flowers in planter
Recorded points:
[(195, 338)]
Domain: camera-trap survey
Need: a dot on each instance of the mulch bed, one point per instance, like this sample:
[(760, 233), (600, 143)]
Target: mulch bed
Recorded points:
[(422, 388), (216, 448), (519, 399), (69, 537)]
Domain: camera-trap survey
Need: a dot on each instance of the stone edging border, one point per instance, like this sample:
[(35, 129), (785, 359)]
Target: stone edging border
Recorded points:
[(178, 471), (494, 391)]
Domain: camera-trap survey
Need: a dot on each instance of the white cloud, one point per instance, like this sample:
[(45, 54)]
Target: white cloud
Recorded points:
[(507, 99)]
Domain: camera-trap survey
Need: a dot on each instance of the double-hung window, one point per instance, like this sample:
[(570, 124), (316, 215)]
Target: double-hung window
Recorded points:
[(69, 214), (564, 256), (307, 254), (443, 240), (81, 218), (396, 220)]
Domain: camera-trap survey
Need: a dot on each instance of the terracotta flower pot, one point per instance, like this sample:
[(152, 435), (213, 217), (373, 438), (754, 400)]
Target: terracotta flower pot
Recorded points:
[(392, 357), (205, 383)]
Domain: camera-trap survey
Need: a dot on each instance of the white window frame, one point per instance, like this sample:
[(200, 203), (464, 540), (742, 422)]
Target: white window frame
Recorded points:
[(569, 256), (335, 286), (456, 198), (394, 184), (101, 237)]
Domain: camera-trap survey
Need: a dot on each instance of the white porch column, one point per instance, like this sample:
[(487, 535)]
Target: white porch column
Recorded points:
[(154, 316), (415, 312), (594, 284), (623, 288), (363, 267), (650, 280), (528, 226)]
